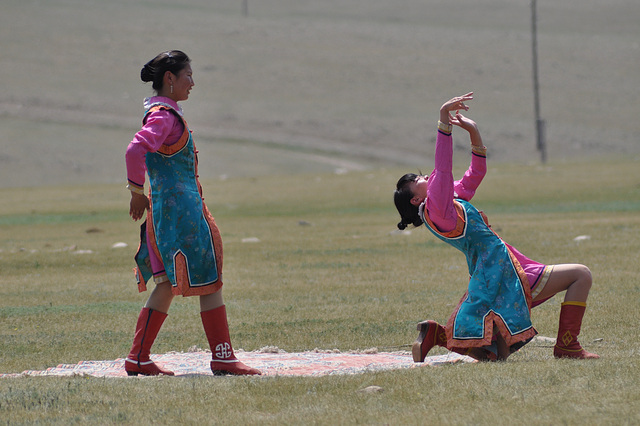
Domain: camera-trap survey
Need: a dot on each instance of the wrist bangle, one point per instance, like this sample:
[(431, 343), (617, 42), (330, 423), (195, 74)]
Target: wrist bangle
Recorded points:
[(480, 150), (446, 128), (135, 189)]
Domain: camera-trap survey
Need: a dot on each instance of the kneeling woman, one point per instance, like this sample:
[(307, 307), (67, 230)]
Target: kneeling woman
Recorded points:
[(492, 319)]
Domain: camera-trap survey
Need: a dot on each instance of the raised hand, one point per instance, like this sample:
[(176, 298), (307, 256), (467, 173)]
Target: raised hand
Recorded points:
[(457, 103), (461, 121)]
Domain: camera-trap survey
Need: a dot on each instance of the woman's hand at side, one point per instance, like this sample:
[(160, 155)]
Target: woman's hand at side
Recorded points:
[(139, 203)]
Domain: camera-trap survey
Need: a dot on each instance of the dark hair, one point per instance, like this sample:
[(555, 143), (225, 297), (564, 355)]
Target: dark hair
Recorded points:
[(154, 70), (402, 198)]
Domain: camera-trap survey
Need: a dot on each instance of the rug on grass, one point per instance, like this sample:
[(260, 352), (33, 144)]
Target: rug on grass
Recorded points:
[(271, 363)]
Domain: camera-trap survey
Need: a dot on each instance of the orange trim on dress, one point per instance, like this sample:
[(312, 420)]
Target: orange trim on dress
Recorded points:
[(151, 231), (182, 286), (490, 320), (142, 284), (169, 150), (460, 223)]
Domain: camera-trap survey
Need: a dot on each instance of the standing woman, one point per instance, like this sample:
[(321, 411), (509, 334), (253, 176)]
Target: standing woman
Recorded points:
[(492, 319), (180, 243)]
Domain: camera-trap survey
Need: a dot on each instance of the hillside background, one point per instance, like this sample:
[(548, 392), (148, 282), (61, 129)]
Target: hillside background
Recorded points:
[(312, 86)]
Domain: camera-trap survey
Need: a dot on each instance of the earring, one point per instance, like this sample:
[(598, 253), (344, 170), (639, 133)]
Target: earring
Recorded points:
[(172, 88)]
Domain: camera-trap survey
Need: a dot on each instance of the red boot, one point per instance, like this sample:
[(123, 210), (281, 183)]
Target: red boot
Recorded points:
[(567, 345), (431, 334), (223, 362), (147, 328)]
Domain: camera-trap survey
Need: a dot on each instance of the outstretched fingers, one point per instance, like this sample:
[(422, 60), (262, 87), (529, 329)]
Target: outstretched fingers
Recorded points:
[(458, 103)]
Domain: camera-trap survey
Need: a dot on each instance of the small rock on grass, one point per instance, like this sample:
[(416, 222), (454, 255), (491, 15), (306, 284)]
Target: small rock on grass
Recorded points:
[(371, 389)]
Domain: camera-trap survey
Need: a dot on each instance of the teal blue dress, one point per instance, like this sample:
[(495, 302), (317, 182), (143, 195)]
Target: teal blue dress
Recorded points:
[(181, 231), (498, 296)]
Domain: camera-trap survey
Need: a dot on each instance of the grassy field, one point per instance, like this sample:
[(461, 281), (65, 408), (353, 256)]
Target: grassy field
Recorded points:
[(305, 114), (343, 280)]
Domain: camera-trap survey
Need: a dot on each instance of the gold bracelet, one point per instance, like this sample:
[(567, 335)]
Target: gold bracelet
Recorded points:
[(135, 189), (480, 150), (446, 128)]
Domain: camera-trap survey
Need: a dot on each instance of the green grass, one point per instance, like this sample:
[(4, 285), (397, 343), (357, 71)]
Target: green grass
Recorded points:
[(327, 272), (343, 87)]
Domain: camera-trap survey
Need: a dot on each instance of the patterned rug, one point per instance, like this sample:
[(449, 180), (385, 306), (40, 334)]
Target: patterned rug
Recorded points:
[(272, 362)]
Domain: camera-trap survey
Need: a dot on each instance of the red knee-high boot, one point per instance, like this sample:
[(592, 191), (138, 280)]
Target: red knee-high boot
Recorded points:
[(147, 328), (567, 345), (431, 334), (223, 361)]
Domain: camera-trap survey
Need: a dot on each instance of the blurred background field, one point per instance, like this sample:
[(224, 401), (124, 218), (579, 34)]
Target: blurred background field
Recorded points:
[(305, 114), (331, 84)]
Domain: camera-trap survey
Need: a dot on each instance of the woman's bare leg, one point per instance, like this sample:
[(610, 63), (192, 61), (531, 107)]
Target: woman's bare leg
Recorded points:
[(574, 278), (160, 298)]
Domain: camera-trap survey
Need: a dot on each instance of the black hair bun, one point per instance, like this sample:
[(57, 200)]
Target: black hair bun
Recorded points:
[(147, 72)]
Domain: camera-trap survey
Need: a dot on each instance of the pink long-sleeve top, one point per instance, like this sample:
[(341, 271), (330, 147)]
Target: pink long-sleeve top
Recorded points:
[(161, 128), (442, 189)]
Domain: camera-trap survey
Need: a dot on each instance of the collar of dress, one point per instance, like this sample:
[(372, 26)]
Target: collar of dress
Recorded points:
[(161, 100)]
